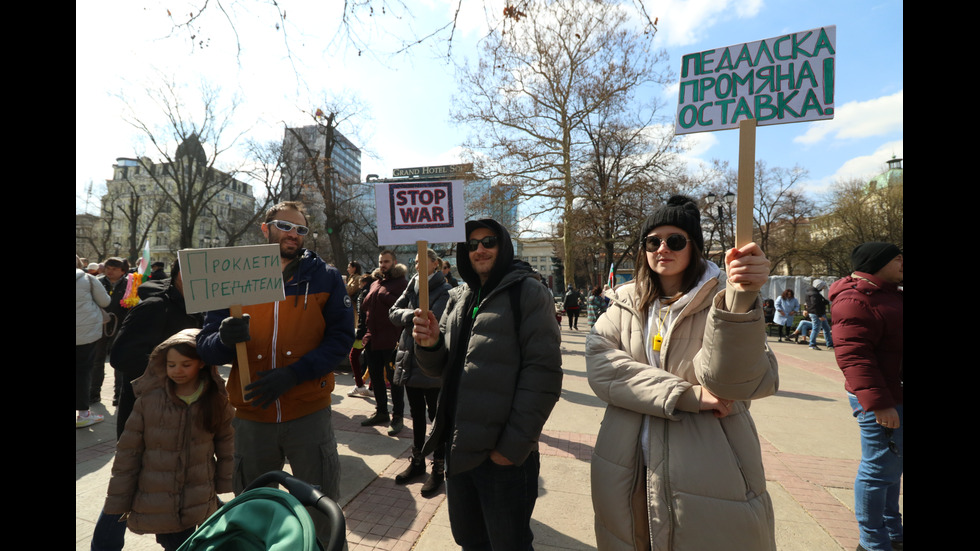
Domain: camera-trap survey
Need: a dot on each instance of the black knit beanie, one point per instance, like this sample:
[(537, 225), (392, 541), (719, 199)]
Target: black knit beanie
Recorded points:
[(678, 211), (873, 256)]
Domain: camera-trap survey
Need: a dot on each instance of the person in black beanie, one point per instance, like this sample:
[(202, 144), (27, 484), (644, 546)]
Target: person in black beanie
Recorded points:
[(679, 211), (868, 312), (677, 356), (873, 256)]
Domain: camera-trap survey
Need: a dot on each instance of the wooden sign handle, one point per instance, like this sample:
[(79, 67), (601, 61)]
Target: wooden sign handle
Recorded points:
[(746, 182), (236, 312), (740, 303), (423, 247)]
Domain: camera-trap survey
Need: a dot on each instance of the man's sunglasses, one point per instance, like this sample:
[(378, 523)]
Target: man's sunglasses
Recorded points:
[(488, 242), (282, 225), (675, 242)]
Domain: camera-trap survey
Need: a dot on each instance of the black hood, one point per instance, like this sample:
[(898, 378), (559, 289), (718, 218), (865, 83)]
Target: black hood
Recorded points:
[(505, 255), (153, 288)]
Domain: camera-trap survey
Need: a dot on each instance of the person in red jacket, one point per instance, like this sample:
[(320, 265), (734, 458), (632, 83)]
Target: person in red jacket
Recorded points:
[(380, 338), (867, 311)]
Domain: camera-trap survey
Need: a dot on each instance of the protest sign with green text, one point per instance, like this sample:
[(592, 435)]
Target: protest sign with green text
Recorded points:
[(221, 277), (789, 78)]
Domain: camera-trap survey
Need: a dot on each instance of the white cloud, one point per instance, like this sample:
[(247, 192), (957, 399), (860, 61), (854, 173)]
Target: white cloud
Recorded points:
[(867, 166), (696, 150), (859, 119), (862, 167), (683, 22)]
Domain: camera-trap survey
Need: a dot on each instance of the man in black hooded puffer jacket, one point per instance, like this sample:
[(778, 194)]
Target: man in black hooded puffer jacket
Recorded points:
[(498, 351)]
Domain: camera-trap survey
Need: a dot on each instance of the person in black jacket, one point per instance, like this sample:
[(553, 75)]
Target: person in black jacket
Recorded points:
[(159, 314), (572, 303), (114, 280), (816, 305), (497, 349), (447, 272), (157, 272)]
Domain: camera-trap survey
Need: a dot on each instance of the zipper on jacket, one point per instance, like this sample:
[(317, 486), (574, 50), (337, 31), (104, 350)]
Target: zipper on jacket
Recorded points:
[(669, 498), (272, 358), (188, 421)]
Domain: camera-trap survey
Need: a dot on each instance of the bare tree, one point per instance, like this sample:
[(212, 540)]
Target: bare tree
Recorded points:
[(777, 202), (534, 87), (136, 210), (858, 212), (357, 24), (189, 146), (312, 154), (789, 237), (780, 212), (99, 235), (630, 169), (92, 236), (266, 171)]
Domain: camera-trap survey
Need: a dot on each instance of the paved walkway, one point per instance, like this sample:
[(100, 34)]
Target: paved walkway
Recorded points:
[(809, 441)]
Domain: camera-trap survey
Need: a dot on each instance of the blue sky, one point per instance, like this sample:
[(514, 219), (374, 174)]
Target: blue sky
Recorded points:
[(124, 46)]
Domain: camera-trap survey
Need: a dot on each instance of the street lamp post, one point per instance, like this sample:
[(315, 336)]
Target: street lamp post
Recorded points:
[(728, 199)]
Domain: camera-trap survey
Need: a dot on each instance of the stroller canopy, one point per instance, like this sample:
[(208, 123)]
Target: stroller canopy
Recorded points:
[(259, 519)]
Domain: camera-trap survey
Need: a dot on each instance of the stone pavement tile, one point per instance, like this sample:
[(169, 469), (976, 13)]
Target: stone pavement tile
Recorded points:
[(567, 444), (795, 529), (385, 515), (563, 517), (797, 476)]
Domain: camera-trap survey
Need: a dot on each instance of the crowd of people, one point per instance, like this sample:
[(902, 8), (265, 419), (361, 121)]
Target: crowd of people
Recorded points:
[(594, 302), (481, 362)]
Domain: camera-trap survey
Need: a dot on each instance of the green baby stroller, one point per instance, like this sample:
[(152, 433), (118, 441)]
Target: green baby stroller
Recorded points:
[(270, 519)]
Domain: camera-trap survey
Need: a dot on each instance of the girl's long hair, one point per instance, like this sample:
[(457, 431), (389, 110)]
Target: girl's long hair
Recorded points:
[(648, 286), (212, 401)]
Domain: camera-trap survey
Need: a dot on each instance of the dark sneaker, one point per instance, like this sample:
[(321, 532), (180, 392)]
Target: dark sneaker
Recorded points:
[(432, 485), (396, 426), (376, 420), (415, 469)]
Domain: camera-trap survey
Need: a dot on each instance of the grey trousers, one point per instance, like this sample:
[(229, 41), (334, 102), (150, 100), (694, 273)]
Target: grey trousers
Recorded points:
[(308, 443)]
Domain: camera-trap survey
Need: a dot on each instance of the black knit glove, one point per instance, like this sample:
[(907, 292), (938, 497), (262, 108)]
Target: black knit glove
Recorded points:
[(234, 330), (271, 385)]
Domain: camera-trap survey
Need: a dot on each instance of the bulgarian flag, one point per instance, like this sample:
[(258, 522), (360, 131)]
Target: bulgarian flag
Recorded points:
[(143, 265), (612, 275)]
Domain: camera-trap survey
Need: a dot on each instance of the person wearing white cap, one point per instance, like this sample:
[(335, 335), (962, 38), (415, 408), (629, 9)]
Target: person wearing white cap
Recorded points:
[(816, 306)]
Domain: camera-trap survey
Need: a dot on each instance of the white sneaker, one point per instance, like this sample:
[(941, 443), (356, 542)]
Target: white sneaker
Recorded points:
[(87, 420), (360, 391)]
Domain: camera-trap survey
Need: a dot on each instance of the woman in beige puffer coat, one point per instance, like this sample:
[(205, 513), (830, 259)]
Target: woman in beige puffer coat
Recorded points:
[(677, 464)]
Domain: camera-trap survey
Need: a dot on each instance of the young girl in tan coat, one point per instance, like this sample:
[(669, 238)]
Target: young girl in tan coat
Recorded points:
[(176, 452)]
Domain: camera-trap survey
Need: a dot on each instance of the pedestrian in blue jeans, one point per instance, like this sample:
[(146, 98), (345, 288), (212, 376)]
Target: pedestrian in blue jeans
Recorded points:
[(877, 485), (816, 305), (867, 309), (820, 324)]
